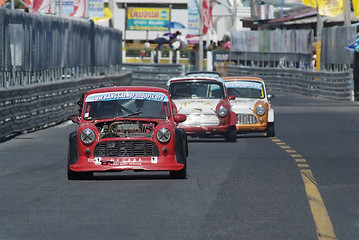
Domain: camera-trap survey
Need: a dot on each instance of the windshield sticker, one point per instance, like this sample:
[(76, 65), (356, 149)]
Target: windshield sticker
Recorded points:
[(215, 87), (240, 84), (107, 96)]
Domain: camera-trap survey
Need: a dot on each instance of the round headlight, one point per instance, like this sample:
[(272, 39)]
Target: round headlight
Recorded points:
[(222, 111), (260, 110), (87, 136), (163, 135)]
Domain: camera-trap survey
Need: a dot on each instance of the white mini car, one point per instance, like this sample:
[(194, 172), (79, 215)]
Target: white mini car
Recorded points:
[(203, 98)]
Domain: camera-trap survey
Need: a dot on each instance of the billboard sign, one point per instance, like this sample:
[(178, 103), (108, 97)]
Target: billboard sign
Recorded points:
[(148, 19)]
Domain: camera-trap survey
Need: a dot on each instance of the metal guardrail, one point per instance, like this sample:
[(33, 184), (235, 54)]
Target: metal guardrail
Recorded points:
[(38, 106), (153, 74), (37, 49), (333, 85)]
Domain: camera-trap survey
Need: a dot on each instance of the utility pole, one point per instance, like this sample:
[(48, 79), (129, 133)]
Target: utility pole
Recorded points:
[(347, 13), (319, 26), (200, 44), (253, 8), (235, 15)]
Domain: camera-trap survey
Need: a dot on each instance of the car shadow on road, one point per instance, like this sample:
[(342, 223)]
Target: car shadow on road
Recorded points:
[(131, 175), (222, 140)]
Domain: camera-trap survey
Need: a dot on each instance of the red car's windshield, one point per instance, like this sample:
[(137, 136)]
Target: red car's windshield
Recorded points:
[(125, 107)]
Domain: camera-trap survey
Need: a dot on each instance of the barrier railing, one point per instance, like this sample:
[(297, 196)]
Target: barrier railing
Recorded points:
[(334, 85), (37, 106), (153, 74)]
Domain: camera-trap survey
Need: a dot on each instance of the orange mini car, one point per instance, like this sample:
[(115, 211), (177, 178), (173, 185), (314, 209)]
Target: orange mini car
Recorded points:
[(252, 105)]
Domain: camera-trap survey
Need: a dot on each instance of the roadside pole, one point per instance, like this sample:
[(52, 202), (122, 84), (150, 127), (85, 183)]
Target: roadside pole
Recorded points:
[(347, 13), (200, 44)]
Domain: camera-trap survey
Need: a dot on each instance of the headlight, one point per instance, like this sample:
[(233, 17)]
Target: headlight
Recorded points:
[(163, 135), (222, 111), (260, 110), (87, 136)]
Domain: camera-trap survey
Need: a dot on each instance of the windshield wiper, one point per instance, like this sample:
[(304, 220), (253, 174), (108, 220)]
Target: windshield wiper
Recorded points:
[(132, 114)]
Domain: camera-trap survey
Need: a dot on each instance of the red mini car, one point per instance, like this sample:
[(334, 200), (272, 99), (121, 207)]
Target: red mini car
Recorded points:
[(203, 98), (127, 128)]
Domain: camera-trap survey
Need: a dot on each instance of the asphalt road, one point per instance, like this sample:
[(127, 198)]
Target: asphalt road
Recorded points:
[(303, 184)]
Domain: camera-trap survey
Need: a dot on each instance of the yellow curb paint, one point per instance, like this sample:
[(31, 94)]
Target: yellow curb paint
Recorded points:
[(325, 230), (302, 165), (275, 140)]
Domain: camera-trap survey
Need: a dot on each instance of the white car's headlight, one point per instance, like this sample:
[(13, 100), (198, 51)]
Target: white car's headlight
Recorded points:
[(87, 136), (163, 135), (260, 110), (222, 111)]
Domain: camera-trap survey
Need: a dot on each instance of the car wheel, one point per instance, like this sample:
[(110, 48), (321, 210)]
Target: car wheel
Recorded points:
[(180, 174), (72, 158), (231, 136), (181, 154), (71, 175), (270, 130)]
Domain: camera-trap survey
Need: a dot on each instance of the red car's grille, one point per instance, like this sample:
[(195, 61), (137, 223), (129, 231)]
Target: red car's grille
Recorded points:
[(126, 148)]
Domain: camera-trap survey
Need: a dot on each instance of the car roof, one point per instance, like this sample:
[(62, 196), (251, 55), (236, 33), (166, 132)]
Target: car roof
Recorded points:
[(196, 78), (203, 73), (243, 78), (128, 88)]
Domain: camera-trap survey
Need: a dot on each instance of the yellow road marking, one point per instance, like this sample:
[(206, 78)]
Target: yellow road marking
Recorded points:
[(303, 165), (325, 230), (322, 221)]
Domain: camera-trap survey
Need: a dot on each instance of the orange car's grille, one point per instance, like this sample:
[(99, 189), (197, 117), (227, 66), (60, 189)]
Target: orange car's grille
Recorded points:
[(126, 148), (246, 119)]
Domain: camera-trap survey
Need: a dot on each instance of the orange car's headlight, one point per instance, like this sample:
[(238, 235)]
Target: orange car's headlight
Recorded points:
[(260, 110)]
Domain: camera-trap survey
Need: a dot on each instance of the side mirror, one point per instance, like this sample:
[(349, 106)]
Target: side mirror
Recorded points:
[(180, 118), (270, 96), (232, 97), (75, 119)]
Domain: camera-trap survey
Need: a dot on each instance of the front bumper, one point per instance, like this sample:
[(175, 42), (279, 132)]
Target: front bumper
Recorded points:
[(206, 130), (101, 164), (244, 128)]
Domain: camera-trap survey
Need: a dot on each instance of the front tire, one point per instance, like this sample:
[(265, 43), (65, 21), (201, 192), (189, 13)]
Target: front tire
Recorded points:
[(180, 174), (72, 158), (71, 175), (270, 129), (181, 154), (231, 136)]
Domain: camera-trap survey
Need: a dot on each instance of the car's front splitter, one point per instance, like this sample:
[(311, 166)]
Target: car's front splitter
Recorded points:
[(206, 130), (100, 164), (244, 128)]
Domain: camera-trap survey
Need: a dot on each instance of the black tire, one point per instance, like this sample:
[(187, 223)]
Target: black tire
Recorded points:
[(270, 129), (180, 174), (71, 175), (73, 158), (231, 136), (181, 154)]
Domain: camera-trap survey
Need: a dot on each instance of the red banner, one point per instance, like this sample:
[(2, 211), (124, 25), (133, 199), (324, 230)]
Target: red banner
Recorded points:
[(207, 18)]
